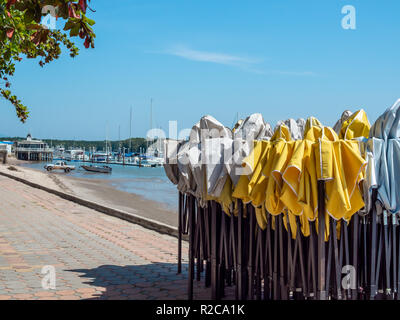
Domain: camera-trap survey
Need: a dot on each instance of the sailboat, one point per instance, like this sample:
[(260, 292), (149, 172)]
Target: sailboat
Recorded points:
[(153, 156)]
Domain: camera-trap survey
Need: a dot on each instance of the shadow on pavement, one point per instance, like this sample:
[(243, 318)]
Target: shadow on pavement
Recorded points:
[(140, 282)]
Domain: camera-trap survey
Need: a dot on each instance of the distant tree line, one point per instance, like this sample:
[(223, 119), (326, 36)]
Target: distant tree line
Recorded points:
[(137, 144)]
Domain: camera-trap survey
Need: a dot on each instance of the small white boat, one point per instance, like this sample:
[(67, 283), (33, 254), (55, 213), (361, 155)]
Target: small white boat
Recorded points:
[(101, 169), (155, 161), (75, 155)]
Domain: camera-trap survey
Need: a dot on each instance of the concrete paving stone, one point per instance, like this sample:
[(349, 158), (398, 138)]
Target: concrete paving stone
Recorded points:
[(23, 296), (34, 285), (100, 255), (19, 290), (62, 288), (14, 285)]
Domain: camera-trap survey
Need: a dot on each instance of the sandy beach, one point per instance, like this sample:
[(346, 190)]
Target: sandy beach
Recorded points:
[(99, 191)]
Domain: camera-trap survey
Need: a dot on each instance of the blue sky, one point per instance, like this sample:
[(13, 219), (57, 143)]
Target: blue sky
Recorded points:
[(281, 58)]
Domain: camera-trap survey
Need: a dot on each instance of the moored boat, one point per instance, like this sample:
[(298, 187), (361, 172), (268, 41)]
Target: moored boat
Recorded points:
[(101, 169)]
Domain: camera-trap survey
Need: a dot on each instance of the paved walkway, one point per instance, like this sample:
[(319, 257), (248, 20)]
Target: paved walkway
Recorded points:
[(95, 256)]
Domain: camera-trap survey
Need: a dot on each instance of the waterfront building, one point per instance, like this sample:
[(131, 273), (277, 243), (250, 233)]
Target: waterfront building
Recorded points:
[(6, 146), (33, 150)]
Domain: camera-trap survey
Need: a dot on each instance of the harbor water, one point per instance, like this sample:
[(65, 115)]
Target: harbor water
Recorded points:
[(151, 183)]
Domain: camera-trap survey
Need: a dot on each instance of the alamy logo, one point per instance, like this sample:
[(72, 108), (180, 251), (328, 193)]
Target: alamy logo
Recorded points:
[(49, 279), (49, 21), (349, 280), (349, 20)]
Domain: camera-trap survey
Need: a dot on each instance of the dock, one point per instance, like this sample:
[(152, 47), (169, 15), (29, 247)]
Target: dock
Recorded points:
[(127, 164)]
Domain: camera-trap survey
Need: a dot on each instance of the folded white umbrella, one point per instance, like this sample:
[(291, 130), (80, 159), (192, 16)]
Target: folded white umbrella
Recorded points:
[(384, 145), (296, 128), (338, 125), (252, 128), (171, 148)]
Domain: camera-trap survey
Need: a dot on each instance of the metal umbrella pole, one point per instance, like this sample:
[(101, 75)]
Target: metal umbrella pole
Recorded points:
[(321, 241), (203, 236), (215, 294), (378, 275), (268, 280), (373, 290), (345, 243), (282, 275), (250, 266), (275, 260), (336, 260), (398, 262), (387, 253), (289, 259), (240, 260), (355, 242), (329, 263), (260, 262), (191, 208), (292, 269), (299, 240), (228, 252), (180, 233), (233, 250), (207, 237), (394, 255), (223, 259), (364, 257), (245, 251), (198, 242), (311, 273)]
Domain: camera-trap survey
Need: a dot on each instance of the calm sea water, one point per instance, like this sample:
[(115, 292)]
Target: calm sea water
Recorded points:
[(151, 183)]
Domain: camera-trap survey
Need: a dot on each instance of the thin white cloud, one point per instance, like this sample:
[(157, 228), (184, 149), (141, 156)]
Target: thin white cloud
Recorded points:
[(206, 56), (244, 63)]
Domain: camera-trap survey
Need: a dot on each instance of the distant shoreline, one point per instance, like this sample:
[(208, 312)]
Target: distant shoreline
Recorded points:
[(135, 144)]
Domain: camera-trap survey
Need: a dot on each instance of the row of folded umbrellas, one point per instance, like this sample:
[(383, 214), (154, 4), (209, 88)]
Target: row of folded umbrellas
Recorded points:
[(285, 210)]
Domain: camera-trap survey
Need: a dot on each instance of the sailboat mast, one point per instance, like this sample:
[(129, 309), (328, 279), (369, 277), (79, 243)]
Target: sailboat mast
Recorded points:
[(119, 140), (151, 123), (107, 142), (130, 132), (151, 113)]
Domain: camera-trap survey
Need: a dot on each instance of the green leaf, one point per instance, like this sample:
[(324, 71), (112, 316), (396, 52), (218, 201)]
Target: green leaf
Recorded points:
[(74, 31), (69, 25), (89, 21)]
